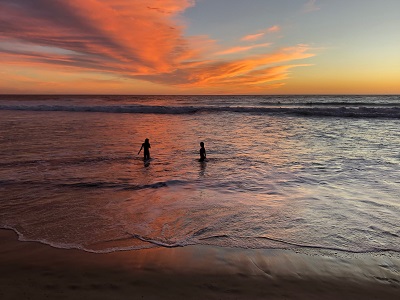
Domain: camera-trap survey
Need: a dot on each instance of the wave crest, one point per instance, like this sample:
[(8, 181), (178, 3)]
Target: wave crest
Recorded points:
[(348, 111)]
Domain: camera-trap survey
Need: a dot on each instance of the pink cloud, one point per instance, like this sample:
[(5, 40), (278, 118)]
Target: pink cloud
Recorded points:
[(253, 37), (256, 70), (257, 36), (274, 28), (242, 48), (132, 32), (134, 39)]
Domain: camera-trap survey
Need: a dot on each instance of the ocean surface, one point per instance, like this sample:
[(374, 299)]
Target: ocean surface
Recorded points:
[(283, 172)]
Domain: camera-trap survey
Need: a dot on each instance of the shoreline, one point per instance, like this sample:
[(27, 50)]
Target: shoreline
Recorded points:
[(37, 271)]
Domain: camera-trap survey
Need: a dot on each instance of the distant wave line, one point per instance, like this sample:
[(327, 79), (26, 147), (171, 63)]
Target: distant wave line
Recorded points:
[(337, 111)]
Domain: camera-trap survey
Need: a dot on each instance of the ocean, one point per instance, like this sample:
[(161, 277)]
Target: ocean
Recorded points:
[(282, 172)]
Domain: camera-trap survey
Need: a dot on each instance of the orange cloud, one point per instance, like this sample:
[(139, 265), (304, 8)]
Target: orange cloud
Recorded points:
[(256, 70), (130, 39), (253, 37), (133, 35), (242, 49)]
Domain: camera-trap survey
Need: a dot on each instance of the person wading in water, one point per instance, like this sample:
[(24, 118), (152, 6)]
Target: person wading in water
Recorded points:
[(146, 149), (202, 152)]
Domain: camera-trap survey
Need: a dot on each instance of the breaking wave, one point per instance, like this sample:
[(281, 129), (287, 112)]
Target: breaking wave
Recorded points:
[(352, 110)]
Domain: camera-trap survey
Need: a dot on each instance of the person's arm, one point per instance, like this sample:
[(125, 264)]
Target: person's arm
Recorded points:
[(140, 149)]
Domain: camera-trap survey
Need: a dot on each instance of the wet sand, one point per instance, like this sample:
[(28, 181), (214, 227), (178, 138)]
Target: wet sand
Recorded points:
[(30, 270)]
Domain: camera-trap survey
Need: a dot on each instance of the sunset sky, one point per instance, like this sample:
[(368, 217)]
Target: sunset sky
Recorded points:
[(200, 46)]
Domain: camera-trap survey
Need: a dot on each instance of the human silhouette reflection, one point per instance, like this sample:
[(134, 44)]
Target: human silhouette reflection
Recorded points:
[(203, 166), (146, 163)]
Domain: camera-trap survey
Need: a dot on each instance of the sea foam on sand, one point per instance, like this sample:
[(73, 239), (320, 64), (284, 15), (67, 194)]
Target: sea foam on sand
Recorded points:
[(35, 271)]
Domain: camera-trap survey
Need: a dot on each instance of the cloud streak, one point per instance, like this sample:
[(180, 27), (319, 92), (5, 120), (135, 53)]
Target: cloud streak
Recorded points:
[(130, 38), (257, 36), (242, 49), (101, 32), (256, 70)]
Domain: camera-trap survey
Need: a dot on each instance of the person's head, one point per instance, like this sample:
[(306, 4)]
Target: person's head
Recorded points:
[(201, 144), (146, 140)]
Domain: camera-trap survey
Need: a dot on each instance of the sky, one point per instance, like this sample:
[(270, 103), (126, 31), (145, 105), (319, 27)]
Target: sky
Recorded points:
[(199, 47)]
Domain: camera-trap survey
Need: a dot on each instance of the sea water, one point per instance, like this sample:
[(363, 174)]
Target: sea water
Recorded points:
[(283, 172)]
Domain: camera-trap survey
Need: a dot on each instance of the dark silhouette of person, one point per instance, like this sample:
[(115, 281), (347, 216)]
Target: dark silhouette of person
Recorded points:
[(146, 149), (202, 152)]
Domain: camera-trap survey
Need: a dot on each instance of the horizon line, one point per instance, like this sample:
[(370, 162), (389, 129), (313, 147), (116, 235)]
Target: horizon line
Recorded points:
[(90, 94)]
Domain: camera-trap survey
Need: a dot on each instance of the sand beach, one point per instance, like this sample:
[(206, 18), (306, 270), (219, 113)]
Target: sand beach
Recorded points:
[(31, 270)]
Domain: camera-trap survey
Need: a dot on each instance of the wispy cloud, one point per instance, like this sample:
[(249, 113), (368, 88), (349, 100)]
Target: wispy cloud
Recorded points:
[(242, 48), (256, 70), (274, 28), (126, 34), (259, 35), (133, 39), (310, 6)]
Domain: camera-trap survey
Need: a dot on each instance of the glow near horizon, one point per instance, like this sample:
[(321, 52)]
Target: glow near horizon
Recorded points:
[(200, 47)]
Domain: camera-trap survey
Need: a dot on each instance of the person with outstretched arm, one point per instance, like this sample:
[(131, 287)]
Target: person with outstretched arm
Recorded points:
[(146, 149)]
